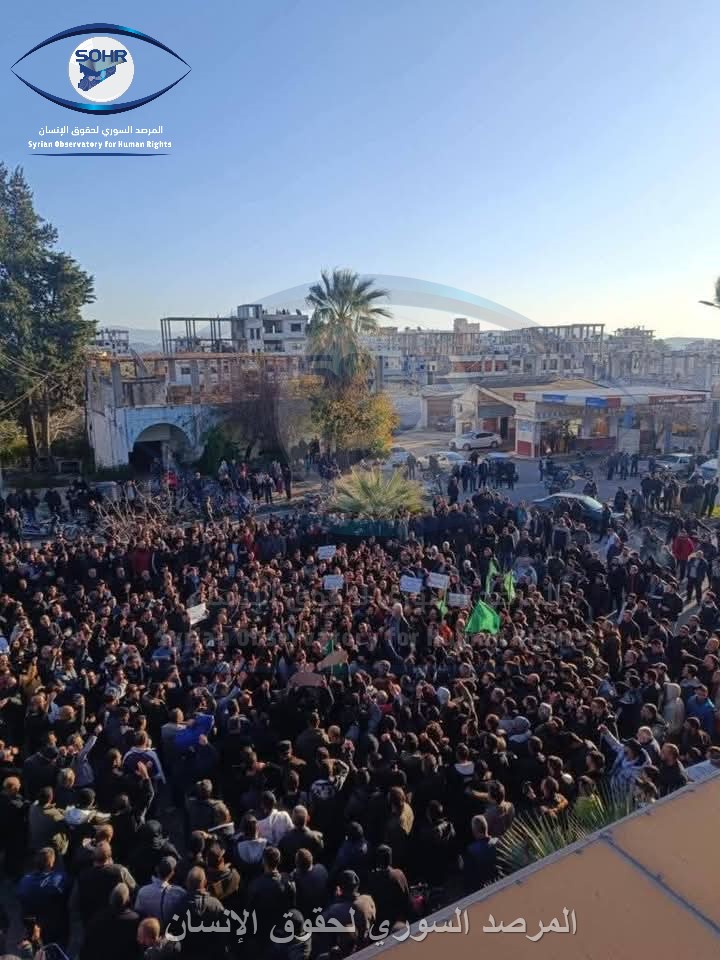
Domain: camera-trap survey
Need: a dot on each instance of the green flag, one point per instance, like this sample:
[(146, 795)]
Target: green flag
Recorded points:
[(442, 606), (337, 670), (483, 619), (509, 585), (491, 574)]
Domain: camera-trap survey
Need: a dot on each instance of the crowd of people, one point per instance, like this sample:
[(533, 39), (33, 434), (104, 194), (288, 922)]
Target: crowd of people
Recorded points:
[(173, 743)]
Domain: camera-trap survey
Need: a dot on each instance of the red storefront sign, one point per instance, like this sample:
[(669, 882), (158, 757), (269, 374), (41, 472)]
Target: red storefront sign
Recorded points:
[(678, 398)]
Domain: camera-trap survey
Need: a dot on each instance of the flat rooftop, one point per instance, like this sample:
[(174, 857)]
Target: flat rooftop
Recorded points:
[(644, 887)]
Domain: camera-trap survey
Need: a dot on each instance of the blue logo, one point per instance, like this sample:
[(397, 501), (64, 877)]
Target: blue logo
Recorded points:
[(102, 68)]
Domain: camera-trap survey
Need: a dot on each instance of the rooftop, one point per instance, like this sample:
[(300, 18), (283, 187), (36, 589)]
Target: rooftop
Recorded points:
[(644, 887)]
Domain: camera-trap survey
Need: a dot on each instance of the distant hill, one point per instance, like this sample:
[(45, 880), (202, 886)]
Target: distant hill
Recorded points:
[(145, 335)]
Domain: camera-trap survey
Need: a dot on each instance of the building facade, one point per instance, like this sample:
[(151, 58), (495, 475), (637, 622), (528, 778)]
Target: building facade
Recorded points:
[(160, 407), (261, 331), (112, 340), (575, 416), (251, 329)]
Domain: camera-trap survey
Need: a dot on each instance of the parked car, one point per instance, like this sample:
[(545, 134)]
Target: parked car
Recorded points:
[(592, 508), (709, 469), (477, 440), (446, 460), (397, 457), (445, 423), (676, 463)]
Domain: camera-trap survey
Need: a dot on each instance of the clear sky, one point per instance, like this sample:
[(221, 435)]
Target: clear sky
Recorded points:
[(559, 157)]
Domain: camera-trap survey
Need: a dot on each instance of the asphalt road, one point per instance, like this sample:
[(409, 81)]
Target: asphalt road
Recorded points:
[(529, 485)]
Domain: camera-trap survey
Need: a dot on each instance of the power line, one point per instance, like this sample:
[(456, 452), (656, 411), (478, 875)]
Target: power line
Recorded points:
[(26, 368), (24, 396)]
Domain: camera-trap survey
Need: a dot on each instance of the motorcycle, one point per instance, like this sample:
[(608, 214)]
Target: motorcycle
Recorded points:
[(561, 480), (581, 469)]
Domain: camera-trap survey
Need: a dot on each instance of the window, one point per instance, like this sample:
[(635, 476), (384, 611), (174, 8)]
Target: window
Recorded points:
[(185, 371), (295, 328)]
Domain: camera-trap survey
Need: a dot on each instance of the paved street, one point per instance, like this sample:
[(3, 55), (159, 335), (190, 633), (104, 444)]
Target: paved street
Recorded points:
[(529, 486)]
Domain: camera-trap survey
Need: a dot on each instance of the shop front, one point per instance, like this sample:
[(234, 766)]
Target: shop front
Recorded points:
[(639, 420)]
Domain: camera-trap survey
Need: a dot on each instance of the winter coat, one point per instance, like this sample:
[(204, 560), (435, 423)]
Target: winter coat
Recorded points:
[(682, 548), (624, 772), (673, 709)]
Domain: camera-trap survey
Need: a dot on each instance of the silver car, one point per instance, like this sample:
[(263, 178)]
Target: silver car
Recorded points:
[(477, 440)]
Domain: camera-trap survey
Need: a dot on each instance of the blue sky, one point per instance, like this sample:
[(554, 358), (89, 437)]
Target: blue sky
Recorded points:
[(558, 157)]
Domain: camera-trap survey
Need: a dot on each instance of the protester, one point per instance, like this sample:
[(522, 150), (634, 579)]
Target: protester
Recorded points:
[(156, 767)]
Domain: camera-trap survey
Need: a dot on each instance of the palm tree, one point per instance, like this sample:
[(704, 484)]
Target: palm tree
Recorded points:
[(532, 837), (376, 496), (344, 308), (716, 301)]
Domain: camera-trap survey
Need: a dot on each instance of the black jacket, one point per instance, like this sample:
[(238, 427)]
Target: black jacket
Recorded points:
[(270, 895)]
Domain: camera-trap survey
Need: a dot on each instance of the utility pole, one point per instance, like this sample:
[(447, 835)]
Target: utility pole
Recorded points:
[(716, 306)]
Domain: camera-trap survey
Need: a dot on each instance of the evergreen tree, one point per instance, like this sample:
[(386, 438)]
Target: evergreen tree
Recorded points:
[(42, 333)]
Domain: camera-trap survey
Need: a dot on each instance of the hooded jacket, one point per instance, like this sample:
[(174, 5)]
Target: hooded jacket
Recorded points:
[(624, 772), (150, 848), (520, 734), (704, 710), (250, 856), (673, 709)]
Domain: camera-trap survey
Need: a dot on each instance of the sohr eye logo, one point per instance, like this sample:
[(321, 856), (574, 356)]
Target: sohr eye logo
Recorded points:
[(101, 68)]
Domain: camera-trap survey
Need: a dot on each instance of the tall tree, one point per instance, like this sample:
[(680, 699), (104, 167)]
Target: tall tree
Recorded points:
[(42, 333), (344, 308), (350, 418)]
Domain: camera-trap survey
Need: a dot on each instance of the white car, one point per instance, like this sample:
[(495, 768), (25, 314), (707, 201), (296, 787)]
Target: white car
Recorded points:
[(676, 463), (397, 457), (477, 440), (446, 460), (709, 469)]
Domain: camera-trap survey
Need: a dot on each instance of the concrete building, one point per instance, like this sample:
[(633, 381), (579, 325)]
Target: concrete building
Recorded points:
[(635, 355), (161, 406), (468, 353), (467, 338), (576, 415), (252, 329), (112, 340), (264, 332)]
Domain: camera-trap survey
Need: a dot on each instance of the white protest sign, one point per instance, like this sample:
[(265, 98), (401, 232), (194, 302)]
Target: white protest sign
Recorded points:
[(438, 581), (333, 581), (411, 584), (326, 553), (197, 613), (458, 600)]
